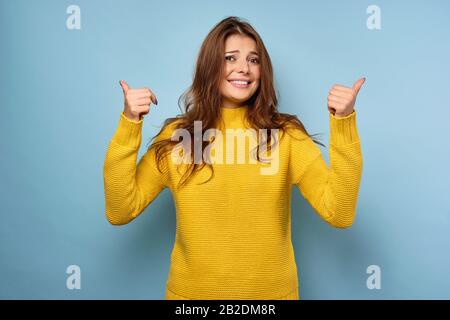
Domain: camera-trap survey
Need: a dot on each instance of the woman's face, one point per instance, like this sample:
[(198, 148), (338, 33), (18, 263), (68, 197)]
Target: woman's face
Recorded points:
[(241, 63)]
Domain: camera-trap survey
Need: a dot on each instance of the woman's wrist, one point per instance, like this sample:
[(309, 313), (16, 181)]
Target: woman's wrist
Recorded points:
[(343, 129), (131, 117)]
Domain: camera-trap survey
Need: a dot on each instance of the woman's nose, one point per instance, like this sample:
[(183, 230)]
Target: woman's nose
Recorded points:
[(243, 66)]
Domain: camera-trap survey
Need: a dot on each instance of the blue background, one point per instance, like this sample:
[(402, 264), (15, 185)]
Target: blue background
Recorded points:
[(61, 103)]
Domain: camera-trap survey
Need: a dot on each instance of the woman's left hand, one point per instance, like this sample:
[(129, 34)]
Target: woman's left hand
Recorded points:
[(341, 99)]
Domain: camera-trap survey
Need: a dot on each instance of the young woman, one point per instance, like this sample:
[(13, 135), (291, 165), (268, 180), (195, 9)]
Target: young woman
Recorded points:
[(233, 235)]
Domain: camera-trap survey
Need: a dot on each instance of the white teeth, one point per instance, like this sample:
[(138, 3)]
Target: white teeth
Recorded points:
[(239, 82)]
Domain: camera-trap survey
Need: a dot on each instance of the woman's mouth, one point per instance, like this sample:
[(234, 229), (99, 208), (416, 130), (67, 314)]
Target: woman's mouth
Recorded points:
[(240, 84)]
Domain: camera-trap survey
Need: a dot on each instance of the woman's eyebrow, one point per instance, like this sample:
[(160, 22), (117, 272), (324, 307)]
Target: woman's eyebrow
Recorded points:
[(252, 52)]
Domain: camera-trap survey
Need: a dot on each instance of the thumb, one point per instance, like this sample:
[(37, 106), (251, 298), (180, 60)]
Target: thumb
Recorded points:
[(124, 86), (358, 84)]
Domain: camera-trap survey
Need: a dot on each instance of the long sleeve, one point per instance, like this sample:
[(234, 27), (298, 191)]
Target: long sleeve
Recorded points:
[(331, 191), (129, 188)]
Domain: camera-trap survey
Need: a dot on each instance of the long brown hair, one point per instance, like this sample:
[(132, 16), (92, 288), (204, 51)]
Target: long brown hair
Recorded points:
[(202, 100)]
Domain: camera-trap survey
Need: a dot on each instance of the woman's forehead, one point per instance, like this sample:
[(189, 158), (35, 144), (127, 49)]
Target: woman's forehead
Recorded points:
[(240, 42)]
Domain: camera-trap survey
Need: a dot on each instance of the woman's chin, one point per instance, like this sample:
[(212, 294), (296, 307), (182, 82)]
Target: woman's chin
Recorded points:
[(239, 98)]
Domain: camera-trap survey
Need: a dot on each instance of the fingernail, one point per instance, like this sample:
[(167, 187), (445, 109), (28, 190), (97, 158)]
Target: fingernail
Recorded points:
[(156, 101)]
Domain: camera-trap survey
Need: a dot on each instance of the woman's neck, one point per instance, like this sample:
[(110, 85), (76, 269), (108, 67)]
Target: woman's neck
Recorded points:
[(232, 105)]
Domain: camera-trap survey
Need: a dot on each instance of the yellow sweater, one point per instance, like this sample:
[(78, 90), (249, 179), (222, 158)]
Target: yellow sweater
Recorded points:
[(233, 233)]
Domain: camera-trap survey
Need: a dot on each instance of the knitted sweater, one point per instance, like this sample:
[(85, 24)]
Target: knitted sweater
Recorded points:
[(233, 233)]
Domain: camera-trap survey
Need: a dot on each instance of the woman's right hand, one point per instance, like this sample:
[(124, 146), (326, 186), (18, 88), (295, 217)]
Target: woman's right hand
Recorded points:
[(137, 101)]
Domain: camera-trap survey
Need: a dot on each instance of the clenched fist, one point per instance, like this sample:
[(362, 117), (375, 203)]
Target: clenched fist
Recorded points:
[(341, 99), (137, 101)]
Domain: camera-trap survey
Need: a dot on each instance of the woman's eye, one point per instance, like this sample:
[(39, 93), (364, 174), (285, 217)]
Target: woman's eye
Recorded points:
[(232, 58)]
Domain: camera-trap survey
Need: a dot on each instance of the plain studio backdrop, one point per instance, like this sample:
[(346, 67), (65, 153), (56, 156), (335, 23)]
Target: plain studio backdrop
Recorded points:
[(61, 102)]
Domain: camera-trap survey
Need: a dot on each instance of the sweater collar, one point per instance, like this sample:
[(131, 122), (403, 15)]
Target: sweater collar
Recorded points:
[(233, 117)]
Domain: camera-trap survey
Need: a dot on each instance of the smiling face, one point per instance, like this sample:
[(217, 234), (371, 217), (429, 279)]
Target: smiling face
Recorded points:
[(241, 71)]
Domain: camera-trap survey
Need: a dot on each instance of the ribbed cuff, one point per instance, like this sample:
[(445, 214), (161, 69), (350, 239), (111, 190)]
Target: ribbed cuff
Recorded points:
[(343, 130), (128, 132)]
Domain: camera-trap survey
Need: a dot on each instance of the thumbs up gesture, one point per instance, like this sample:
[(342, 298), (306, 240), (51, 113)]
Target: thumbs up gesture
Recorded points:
[(341, 99), (137, 101)]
